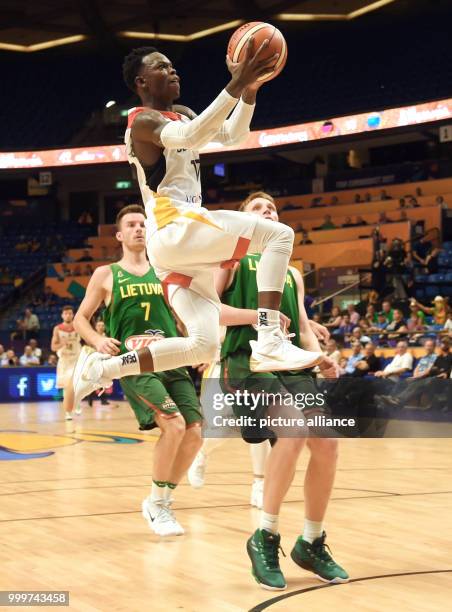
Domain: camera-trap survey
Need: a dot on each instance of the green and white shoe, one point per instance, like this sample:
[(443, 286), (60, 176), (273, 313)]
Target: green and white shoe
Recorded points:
[(316, 558), (263, 547)]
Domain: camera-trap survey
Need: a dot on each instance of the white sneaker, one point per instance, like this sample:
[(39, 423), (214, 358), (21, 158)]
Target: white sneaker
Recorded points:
[(257, 494), (78, 410), (197, 471), (278, 353), (160, 518), (88, 372), (68, 416)]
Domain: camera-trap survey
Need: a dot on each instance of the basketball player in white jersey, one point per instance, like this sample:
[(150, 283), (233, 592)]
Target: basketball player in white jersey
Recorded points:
[(186, 242), (66, 343)]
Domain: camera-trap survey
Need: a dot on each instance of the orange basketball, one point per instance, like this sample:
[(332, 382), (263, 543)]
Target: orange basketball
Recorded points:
[(260, 31)]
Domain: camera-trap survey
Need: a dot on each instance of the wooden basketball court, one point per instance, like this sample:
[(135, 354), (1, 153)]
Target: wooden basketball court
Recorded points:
[(70, 519)]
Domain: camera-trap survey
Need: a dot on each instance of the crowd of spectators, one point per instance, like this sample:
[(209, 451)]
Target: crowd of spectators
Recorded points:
[(32, 356)]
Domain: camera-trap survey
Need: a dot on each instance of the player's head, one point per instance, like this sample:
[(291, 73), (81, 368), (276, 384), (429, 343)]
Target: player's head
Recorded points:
[(262, 204), (151, 75), (67, 314), (100, 327), (130, 229)]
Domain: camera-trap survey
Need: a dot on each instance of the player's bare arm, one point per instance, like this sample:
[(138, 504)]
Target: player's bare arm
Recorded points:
[(98, 292), (56, 343)]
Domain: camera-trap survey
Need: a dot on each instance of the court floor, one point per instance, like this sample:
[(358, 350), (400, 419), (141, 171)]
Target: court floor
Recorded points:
[(70, 519)]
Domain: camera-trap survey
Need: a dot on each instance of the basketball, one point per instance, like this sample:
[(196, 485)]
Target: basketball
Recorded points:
[(260, 31)]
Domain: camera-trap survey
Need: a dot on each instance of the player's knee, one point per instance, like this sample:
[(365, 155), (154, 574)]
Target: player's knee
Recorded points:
[(193, 437), (283, 239), (324, 449), (175, 427), (204, 347), (292, 446)]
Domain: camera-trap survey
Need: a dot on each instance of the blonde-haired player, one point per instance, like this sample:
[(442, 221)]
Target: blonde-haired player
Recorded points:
[(67, 345)]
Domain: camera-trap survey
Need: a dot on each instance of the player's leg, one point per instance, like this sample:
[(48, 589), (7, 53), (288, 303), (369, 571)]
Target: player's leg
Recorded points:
[(310, 551), (183, 393), (259, 454), (160, 412), (202, 320), (63, 382)]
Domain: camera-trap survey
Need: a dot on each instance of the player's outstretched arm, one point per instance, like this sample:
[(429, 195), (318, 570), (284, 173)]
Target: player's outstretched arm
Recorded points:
[(96, 293), (150, 126)]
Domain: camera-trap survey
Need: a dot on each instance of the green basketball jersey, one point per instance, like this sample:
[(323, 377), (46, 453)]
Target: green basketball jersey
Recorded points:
[(137, 310), (243, 294)]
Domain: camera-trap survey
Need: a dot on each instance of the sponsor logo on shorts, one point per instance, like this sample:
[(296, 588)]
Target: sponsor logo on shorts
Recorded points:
[(134, 343), (168, 404)]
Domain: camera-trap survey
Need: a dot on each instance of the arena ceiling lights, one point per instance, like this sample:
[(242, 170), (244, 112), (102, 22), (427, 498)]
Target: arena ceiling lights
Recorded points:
[(227, 25)]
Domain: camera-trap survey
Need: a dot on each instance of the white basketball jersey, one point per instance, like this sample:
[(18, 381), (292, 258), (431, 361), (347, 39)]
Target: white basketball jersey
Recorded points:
[(71, 350), (172, 186)]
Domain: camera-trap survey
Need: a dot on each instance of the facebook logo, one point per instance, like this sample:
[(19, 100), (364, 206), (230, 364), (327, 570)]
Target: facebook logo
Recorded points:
[(46, 384), (19, 386)]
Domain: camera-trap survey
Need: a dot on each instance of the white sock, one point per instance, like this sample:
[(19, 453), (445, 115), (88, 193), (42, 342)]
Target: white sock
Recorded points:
[(267, 322), (269, 522), (122, 365), (312, 530), (158, 492)]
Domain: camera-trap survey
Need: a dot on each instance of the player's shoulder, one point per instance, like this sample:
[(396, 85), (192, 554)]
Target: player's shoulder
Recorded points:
[(145, 118), (102, 275), (184, 110)]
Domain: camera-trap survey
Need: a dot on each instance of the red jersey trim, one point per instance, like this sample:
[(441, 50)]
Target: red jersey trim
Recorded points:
[(139, 109)]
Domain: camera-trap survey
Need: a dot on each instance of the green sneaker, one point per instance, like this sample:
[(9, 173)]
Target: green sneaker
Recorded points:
[(316, 558), (262, 548)]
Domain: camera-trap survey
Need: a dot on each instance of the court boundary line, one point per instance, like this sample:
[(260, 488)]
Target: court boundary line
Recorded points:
[(269, 602), (242, 505)]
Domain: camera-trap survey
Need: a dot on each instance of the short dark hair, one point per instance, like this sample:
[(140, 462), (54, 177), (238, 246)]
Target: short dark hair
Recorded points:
[(67, 307), (131, 208), (132, 64)]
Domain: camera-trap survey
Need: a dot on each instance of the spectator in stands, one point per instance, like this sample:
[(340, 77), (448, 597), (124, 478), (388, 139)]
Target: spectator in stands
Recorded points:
[(348, 222), (357, 334), (65, 271), (86, 256), (397, 327), (10, 359), (327, 223), (418, 192), (52, 360), (357, 198), (360, 221), (88, 271), (354, 316), (416, 312), (386, 307), (412, 203), (384, 195), (448, 324), (440, 200), (317, 202), (369, 364), (402, 203), (305, 238), (427, 383), (354, 358), (85, 218), (99, 326), (28, 359), (383, 218), (35, 350), (336, 318), (332, 351), (431, 260), (28, 327), (439, 310), (345, 328), (380, 325), (425, 364), (401, 363), (371, 315)]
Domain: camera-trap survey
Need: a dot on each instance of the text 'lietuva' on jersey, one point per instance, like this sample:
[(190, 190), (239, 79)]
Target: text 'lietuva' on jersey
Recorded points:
[(170, 187), (137, 311)]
